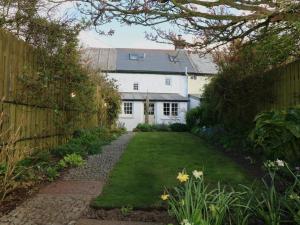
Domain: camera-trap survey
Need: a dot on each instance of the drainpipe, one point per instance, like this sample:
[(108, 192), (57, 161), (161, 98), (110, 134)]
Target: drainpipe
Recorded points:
[(187, 85), (187, 81)]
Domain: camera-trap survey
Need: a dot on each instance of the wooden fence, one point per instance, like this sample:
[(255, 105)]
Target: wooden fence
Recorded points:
[(286, 86), (40, 126)]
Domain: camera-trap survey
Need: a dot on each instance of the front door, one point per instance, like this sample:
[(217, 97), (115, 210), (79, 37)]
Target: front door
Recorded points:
[(151, 114)]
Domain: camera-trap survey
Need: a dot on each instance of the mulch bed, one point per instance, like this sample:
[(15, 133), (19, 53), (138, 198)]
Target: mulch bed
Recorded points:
[(17, 197), (138, 215), (254, 169)]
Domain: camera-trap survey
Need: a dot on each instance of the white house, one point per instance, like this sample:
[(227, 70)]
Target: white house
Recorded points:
[(161, 77)]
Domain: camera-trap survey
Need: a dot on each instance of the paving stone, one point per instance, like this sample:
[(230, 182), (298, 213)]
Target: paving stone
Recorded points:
[(64, 201), (106, 222)]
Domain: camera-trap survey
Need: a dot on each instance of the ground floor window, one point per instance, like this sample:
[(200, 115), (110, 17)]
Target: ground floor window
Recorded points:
[(170, 109), (128, 108), (167, 109), (150, 109), (174, 109)]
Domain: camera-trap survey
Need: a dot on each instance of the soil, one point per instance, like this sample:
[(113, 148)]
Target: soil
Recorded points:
[(18, 196), (138, 215), (253, 168)]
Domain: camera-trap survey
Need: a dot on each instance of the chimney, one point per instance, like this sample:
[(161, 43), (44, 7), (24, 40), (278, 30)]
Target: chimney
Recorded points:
[(179, 42)]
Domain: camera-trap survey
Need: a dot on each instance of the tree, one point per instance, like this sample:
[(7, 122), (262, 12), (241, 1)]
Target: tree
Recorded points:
[(209, 22)]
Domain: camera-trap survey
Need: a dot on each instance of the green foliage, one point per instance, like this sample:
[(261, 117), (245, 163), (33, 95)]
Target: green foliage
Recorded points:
[(178, 127), (85, 142), (51, 173), (72, 160), (277, 134), (244, 85), (161, 127), (144, 127), (126, 210), (69, 148), (194, 202), (194, 117)]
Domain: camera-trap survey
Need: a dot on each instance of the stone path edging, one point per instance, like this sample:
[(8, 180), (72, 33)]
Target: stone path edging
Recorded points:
[(64, 201), (106, 222)]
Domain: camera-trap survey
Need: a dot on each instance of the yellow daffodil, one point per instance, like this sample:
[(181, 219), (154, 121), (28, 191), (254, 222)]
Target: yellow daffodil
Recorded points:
[(164, 196), (182, 177)]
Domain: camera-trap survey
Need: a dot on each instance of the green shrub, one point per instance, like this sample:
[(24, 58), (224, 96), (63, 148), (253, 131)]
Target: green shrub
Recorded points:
[(69, 148), (161, 127), (144, 127), (178, 127), (193, 117), (51, 173), (73, 160), (277, 134)]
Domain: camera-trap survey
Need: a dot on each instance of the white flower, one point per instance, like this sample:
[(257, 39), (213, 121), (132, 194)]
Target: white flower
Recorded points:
[(73, 95), (280, 163), (197, 174), (185, 222)]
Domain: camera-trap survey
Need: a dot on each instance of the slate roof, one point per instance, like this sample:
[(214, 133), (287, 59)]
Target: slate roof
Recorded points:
[(139, 96), (148, 61)]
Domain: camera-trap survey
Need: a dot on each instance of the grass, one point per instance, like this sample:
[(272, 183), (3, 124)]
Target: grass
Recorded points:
[(151, 163)]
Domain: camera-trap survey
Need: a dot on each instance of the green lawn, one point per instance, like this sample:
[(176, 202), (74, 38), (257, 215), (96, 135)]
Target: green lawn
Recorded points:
[(152, 161)]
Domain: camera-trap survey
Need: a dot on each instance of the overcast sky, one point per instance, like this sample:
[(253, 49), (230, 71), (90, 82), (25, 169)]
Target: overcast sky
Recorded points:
[(124, 37)]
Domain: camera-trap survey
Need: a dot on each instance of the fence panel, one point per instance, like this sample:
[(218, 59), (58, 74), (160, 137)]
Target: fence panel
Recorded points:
[(40, 126)]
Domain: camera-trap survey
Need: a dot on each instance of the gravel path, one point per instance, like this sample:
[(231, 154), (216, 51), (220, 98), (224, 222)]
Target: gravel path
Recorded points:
[(99, 166), (64, 201)]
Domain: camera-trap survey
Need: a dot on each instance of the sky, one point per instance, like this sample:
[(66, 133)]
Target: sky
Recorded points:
[(125, 36)]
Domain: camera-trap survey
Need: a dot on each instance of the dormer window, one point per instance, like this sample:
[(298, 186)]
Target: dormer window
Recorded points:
[(135, 86), (137, 57), (173, 58), (133, 56)]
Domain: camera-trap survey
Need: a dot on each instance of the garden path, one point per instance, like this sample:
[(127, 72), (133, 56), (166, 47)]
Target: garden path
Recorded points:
[(64, 201)]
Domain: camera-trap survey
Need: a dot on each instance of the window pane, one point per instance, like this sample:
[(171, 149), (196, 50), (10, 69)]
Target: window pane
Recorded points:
[(168, 81), (128, 108), (174, 109), (166, 109), (135, 86)]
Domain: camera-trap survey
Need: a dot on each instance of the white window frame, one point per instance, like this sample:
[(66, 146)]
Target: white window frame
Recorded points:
[(165, 106), (127, 107), (135, 86), (174, 109)]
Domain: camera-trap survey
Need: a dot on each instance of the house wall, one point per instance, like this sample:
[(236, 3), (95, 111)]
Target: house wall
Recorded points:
[(197, 86), (154, 83), (194, 102), (161, 118), (131, 121)]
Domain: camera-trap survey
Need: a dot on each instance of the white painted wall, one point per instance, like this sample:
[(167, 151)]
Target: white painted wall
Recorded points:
[(194, 102), (154, 83), (197, 86), (161, 118), (131, 121)]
